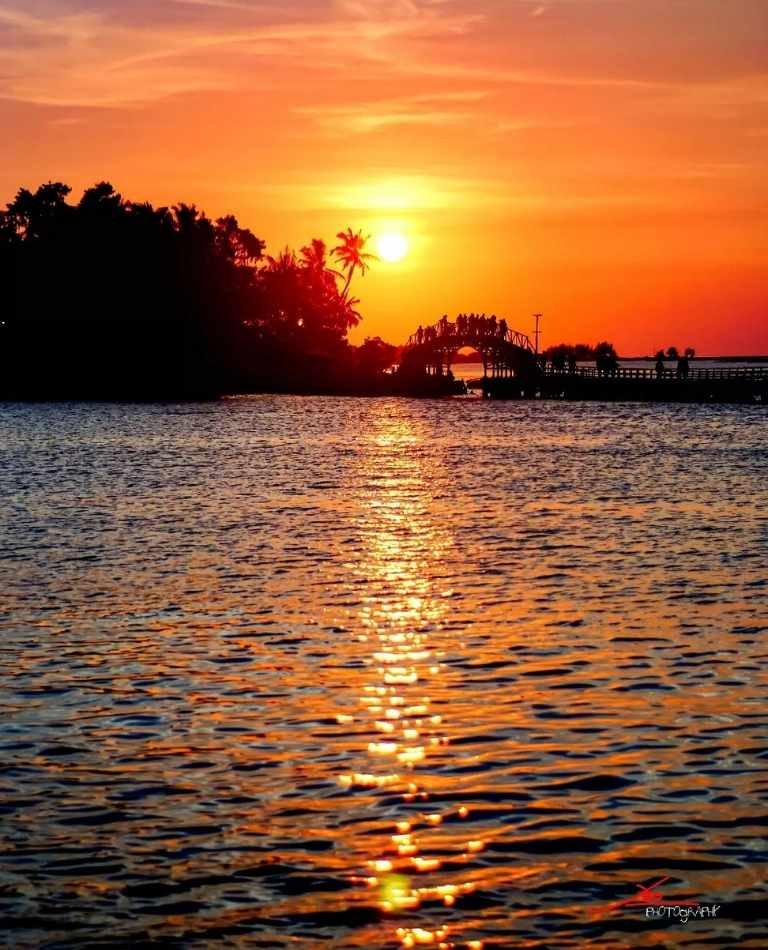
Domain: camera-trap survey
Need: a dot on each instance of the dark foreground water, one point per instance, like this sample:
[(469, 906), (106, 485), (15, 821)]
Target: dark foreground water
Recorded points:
[(282, 672)]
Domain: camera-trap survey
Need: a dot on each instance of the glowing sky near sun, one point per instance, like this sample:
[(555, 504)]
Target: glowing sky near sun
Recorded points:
[(600, 160)]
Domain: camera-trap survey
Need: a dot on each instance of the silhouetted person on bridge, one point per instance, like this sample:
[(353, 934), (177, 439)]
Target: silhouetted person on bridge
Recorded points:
[(682, 368), (659, 365)]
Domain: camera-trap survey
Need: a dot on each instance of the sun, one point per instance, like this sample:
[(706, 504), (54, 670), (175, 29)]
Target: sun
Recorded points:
[(392, 247)]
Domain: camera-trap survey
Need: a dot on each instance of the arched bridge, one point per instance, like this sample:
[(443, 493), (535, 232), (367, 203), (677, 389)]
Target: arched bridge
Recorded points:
[(504, 352)]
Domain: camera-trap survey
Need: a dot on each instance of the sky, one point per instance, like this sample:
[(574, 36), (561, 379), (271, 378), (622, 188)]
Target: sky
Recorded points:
[(600, 161)]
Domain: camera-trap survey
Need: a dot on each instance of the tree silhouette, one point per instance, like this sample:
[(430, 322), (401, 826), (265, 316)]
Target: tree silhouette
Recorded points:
[(375, 355), (606, 358), (578, 351), (314, 258), (238, 244), (352, 255), (109, 297)]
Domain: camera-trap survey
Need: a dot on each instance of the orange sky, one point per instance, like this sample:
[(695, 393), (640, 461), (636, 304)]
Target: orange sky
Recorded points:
[(603, 161)]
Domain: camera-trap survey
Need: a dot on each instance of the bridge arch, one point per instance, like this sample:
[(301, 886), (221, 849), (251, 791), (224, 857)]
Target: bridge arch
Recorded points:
[(504, 352)]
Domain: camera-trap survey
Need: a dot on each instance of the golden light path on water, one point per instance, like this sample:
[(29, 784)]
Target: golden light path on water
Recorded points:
[(404, 545), (287, 671)]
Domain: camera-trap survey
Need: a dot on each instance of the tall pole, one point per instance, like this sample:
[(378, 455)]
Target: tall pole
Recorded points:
[(537, 317)]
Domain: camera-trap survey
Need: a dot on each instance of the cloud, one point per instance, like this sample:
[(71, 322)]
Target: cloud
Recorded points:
[(420, 109), (408, 194), (352, 121), (104, 59), (228, 5), (384, 193), (127, 55)]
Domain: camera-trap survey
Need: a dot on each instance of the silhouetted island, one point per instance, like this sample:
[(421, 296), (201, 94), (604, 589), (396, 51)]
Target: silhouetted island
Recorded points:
[(110, 298), (115, 299)]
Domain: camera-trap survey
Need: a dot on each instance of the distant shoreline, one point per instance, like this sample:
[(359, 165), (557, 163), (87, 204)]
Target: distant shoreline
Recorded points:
[(472, 358), (698, 359)]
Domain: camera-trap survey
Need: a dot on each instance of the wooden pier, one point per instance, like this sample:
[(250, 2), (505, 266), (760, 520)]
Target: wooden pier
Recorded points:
[(748, 385), (512, 370)]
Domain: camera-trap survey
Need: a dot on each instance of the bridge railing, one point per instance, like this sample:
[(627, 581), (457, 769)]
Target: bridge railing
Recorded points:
[(480, 335), (739, 372)]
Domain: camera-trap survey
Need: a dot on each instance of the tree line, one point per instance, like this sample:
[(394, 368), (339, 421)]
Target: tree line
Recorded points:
[(108, 297), (568, 355), (605, 357)]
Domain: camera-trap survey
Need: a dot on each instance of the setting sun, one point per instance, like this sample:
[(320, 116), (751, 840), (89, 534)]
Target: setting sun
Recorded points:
[(392, 247)]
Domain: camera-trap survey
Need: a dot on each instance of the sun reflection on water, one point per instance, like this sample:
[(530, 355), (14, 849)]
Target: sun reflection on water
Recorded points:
[(540, 671), (402, 616)]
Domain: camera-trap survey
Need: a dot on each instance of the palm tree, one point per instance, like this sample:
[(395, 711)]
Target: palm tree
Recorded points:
[(350, 315), (351, 253), (313, 257), (285, 262)]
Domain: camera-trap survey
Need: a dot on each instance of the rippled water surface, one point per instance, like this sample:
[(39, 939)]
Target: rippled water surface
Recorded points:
[(382, 673)]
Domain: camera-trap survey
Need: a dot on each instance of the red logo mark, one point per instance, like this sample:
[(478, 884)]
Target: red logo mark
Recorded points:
[(648, 896)]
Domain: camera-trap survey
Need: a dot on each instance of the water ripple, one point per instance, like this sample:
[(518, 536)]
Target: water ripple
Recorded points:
[(289, 671)]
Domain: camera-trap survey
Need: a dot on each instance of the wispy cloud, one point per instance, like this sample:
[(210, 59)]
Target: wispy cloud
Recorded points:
[(100, 59), (71, 28), (259, 8), (408, 194), (386, 193), (116, 55), (424, 109)]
